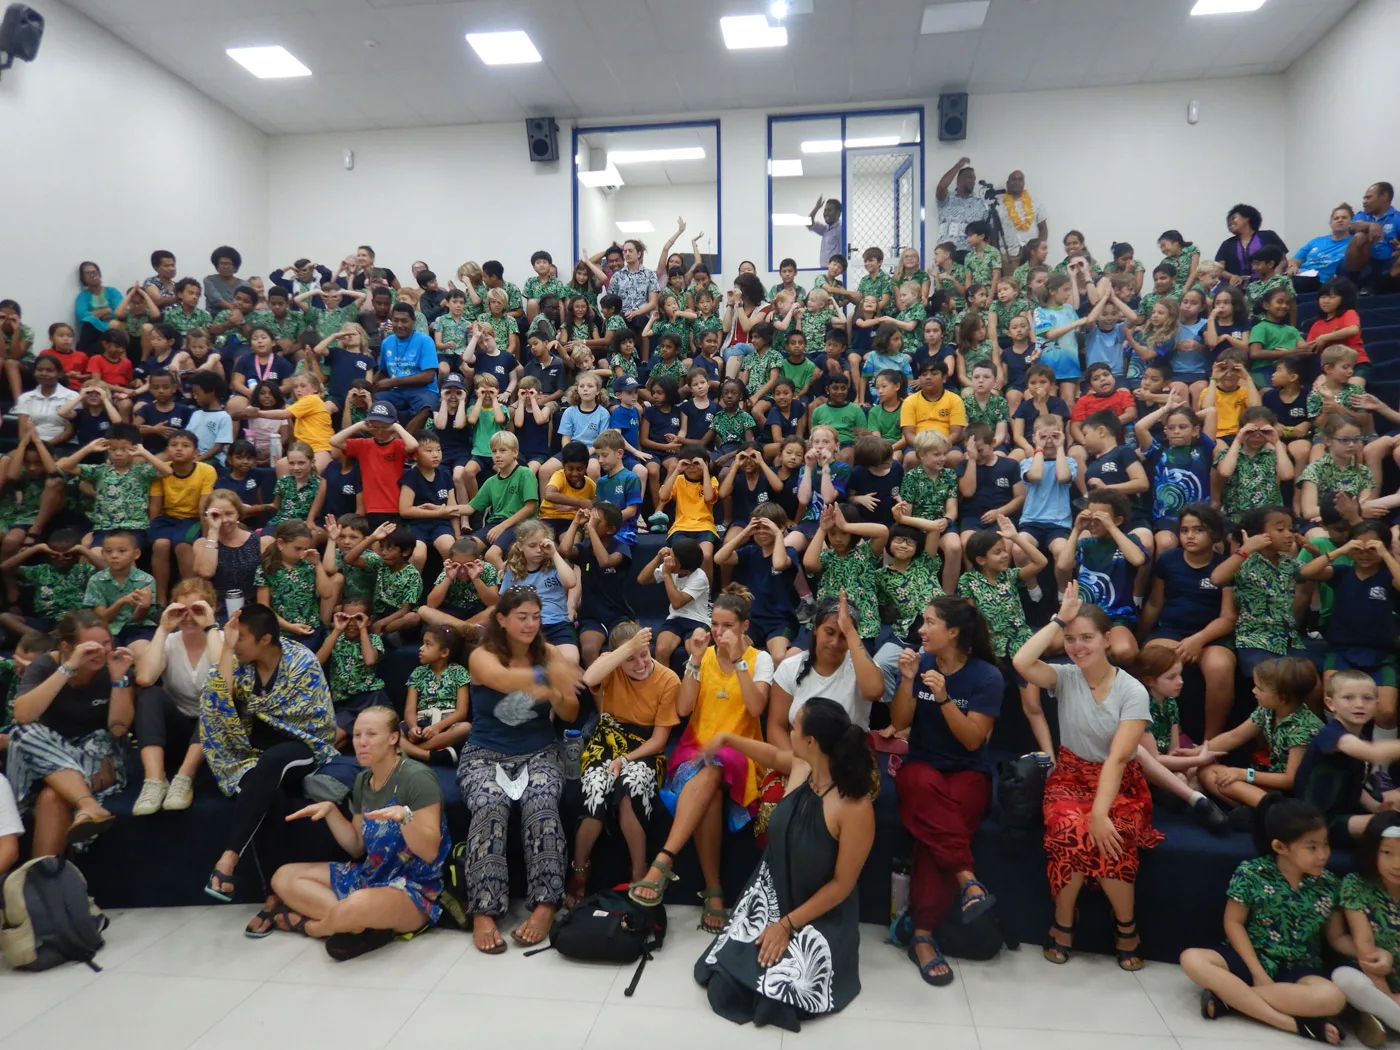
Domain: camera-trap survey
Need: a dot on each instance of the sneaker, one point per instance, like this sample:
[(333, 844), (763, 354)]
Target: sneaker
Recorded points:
[(807, 609), (719, 529), (150, 799), (181, 793), (659, 521)]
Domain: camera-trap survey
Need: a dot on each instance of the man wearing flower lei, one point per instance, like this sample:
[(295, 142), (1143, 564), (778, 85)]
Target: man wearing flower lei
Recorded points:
[(1022, 217)]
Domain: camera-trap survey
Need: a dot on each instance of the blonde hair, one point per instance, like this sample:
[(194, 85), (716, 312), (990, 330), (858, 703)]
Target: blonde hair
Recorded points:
[(470, 272), (482, 379), (576, 350), (818, 297), (497, 295), (898, 274), (1047, 421), (529, 383), (827, 428), (931, 441), (504, 439), (197, 586), (1337, 355), (574, 398), (524, 533), (228, 496), (911, 288), (1165, 332), (313, 379), (94, 382), (358, 329)]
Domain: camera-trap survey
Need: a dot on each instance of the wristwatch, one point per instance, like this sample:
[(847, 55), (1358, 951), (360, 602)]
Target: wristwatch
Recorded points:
[(66, 671), (408, 815), (741, 665), (1249, 775), (1058, 622)]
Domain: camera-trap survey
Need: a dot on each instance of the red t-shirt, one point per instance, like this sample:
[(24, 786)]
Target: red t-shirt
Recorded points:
[(381, 468), (1345, 319), (73, 361), (1117, 402), (113, 373)]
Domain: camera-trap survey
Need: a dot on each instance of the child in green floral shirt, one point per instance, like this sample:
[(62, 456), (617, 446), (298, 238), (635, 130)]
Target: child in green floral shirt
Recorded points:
[(464, 590), (186, 313), (400, 586), (122, 594), (436, 711), (875, 282), (58, 584), (1370, 900), (1280, 909), (845, 553), (292, 582), (350, 655), (951, 276), (122, 484), (1340, 470)]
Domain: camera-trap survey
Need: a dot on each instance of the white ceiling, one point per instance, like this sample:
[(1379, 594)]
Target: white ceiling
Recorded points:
[(629, 58)]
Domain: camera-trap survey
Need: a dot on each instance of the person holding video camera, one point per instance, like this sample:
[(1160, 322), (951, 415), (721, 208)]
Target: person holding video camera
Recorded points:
[(960, 207)]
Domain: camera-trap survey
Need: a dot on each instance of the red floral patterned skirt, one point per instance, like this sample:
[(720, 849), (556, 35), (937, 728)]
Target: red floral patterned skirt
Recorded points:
[(1069, 801)]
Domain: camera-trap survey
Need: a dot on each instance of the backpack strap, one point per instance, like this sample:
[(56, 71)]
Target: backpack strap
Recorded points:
[(637, 973)]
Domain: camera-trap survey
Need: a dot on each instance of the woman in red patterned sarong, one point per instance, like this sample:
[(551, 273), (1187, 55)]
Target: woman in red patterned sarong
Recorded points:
[(1098, 812)]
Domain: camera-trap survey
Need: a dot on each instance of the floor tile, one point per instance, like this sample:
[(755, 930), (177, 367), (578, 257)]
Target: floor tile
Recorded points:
[(1178, 1002), (678, 1029), (25, 996), (212, 944), (296, 1017), (145, 1011), (443, 1018), (1019, 1038), (414, 965), (846, 1030)]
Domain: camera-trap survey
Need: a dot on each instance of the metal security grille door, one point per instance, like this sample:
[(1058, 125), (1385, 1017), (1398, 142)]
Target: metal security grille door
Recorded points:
[(880, 195)]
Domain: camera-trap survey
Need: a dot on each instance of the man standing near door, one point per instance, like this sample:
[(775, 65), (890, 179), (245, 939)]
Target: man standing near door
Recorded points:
[(829, 228), (960, 207), (1022, 217)]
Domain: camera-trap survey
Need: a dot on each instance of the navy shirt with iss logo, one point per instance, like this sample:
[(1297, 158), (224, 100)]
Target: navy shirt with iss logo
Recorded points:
[(434, 490)]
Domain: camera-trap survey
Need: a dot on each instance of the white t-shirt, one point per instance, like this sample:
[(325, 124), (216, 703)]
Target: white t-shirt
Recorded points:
[(182, 680), (841, 687), (697, 585), (10, 824), (48, 424), (1086, 726), (762, 670)]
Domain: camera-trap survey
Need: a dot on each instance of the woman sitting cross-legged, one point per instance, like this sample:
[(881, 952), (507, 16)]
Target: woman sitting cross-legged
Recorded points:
[(72, 713), (949, 698), (398, 832), (171, 673), (1098, 811), (512, 757), (725, 690), (624, 760), (265, 721), (791, 949)]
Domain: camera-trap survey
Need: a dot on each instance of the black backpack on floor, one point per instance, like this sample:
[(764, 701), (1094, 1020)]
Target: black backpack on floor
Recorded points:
[(609, 927), (49, 917)]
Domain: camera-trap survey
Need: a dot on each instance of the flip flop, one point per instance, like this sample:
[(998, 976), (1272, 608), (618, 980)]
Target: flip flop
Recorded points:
[(86, 827), (218, 877), (525, 942), (263, 916), (286, 925)]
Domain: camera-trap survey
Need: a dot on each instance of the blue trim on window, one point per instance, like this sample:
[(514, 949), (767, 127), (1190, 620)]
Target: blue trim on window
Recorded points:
[(908, 163), (719, 198), (841, 115)]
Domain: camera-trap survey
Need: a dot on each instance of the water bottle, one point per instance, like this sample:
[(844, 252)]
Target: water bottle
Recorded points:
[(233, 600), (573, 752), (899, 888), (274, 447)]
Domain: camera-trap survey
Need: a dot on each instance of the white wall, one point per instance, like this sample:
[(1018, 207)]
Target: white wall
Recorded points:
[(661, 206), (81, 182), (1334, 149), (595, 220)]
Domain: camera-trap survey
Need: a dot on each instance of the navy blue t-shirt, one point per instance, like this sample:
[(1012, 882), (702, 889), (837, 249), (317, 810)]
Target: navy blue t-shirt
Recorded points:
[(346, 368), (550, 374), (604, 594), (996, 483), (147, 414), (884, 488), (1190, 600), (342, 486), (1028, 413), (977, 686), (434, 490), (1328, 777), (501, 365), (787, 425), (1112, 469), (773, 596), (744, 499), (89, 426), (276, 369), (1105, 576), (664, 425), (258, 487), (697, 420), (1363, 614), (1288, 413)]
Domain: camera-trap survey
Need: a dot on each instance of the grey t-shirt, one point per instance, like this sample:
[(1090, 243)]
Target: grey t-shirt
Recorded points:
[(414, 786), (1087, 727)]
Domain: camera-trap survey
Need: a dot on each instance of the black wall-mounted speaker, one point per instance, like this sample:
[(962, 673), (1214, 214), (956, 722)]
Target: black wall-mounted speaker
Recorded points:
[(20, 32), (952, 117), (542, 135)]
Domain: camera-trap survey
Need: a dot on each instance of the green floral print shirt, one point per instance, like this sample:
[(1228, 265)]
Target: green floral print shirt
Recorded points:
[(1285, 926), (438, 692), (293, 593)]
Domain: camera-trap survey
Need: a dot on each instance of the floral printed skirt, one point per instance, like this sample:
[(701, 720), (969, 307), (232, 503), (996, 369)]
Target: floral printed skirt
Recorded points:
[(638, 780)]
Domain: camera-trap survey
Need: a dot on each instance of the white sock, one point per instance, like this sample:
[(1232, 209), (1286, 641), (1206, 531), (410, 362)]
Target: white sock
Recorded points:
[(1365, 996), (1196, 796), (1035, 592)]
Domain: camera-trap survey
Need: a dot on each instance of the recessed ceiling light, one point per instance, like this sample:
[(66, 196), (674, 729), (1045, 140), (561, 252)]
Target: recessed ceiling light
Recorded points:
[(789, 219), (778, 10), (640, 156), (784, 169), (504, 49), (636, 226), (609, 176), (746, 31), (834, 145), (954, 18), (1226, 7), (267, 63)]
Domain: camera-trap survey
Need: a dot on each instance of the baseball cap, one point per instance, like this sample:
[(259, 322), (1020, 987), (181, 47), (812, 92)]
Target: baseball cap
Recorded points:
[(624, 383), (382, 412), (455, 381)]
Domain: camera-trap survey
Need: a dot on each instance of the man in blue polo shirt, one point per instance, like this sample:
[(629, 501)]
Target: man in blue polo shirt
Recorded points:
[(408, 361), (1372, 250)]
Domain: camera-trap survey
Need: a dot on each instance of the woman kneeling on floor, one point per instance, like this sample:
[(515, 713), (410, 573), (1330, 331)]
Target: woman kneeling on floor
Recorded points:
[(399, 832), (791, 951), (1098, 811), (725, 690), (73, 711), (512, 758)]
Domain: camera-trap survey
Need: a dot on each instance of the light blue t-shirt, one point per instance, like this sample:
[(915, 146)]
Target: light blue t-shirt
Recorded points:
[(211, 428), (1322, 254), (554, 604), (578, 425), (406, 357), (875, 363), (1047, 500), (1060, 354), (1191, 365), (1104, 346)]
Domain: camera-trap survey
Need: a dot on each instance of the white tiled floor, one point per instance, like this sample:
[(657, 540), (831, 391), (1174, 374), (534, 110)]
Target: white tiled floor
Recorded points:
[(187, 977)]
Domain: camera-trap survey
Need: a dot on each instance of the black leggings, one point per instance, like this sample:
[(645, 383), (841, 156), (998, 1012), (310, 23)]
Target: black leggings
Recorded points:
[(281, 767), (159, 722)]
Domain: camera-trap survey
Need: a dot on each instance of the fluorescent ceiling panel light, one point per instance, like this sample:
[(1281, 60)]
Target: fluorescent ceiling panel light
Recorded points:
[(746, 31), (954, 18), (778, 10), (268, 63), (636, 226), (504, 49), (609, 176), (834, 145), (789, 219), (641, 156), (785, 169), (1226, 7)]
